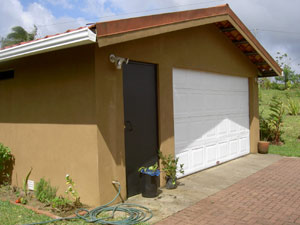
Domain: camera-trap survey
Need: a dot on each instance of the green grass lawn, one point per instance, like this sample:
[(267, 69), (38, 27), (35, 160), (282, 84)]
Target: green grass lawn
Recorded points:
[(18, 215), (291, 124)]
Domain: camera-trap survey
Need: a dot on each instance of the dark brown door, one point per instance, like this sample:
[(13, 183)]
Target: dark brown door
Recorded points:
[(140, 117)]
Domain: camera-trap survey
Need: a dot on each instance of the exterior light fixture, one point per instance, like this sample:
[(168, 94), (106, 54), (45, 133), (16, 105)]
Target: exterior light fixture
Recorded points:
[(118, 61)]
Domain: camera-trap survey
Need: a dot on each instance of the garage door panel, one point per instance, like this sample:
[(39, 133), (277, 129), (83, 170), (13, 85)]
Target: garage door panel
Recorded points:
[(182, 135), (197, 157), (181, 110), (211, 118), (223, 151), (211, 154), (234, 146), (183, 158)]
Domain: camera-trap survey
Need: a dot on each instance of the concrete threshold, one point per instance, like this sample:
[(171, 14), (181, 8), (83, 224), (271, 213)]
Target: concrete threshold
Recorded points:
[(198, 186)]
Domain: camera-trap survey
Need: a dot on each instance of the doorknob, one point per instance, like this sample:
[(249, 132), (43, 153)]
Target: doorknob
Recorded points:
[(128, 126)]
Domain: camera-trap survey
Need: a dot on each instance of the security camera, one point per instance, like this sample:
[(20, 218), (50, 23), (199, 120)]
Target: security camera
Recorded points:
[(118, 61)]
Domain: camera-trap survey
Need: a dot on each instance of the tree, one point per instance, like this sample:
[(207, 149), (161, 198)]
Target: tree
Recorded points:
[(18, 34), (289, 75)]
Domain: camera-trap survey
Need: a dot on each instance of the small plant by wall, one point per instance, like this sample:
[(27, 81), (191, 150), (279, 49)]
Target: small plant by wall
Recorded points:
[(170, 168), (71, 191), (44, 192)]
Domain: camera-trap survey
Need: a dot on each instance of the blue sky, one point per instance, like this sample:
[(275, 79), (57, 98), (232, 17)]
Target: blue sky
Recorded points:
[(274, 22)]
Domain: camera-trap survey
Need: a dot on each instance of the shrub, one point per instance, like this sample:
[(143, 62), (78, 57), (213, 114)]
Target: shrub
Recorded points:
[(44, 192), (275, 120), (292, 106), (5, 158), (60, 202), (271, 127), (170, 167), (265, 83), (277, 86)]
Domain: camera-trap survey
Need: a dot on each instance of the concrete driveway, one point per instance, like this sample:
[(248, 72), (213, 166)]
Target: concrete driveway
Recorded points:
[(225, 194)]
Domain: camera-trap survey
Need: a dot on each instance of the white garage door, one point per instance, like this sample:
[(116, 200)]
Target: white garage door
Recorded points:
[(211, 118)]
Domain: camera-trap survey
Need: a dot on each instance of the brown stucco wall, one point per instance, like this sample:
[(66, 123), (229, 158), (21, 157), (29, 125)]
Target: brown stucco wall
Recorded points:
[(202, 48), (47, 118)]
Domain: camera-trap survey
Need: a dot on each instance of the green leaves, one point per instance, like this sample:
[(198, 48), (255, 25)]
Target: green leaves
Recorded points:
[(26, 181), (18, 34), (292, 106), (72, 191), (150, 168), (44, 192), (5, 158), (271, 128), (169, 164)]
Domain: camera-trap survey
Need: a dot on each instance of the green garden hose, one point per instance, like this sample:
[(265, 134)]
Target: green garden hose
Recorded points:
[(134, 213)]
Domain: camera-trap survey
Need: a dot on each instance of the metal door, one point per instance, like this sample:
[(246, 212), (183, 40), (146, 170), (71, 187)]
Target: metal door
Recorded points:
[(140, 117)]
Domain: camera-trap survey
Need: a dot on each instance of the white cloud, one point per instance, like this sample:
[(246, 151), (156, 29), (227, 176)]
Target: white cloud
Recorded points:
[(12, 13), (64, 3)]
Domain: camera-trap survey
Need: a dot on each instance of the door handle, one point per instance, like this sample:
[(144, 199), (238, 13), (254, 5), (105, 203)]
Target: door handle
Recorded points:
[(128, 126)]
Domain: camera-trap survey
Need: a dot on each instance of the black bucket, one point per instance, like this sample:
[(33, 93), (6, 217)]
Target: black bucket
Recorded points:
[(149, 186)]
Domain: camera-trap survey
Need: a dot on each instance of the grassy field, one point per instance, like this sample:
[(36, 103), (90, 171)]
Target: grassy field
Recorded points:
[(18, 215), (291, 125)]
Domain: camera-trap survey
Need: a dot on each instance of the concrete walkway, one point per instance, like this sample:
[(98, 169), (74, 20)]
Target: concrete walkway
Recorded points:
[(269, 197), (200, 185)]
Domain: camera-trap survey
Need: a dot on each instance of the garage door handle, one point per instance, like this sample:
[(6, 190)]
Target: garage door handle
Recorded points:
[(128, 126)]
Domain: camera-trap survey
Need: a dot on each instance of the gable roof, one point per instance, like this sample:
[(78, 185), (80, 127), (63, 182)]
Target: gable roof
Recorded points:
[(118, 31), (112, 32)]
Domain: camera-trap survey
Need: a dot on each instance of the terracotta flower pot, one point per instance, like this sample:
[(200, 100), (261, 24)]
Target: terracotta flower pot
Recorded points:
[(263, 147)]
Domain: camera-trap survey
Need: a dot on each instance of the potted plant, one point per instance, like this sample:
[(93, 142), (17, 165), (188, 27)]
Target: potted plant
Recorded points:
[(170, 169), (150, 181)]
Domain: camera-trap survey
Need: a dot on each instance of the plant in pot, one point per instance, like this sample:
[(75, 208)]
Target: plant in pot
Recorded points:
[(150, 181), (170, 168)]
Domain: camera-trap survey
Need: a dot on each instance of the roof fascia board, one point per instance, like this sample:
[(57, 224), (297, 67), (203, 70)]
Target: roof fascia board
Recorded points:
[(265, 55), (137, 34), (61, 41)]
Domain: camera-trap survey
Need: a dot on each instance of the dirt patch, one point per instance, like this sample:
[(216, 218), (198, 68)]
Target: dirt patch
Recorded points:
[(8, 193)]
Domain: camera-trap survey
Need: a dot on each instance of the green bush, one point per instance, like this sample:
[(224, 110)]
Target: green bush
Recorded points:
[(271, 127), (60, 202), (5, 158), (292, 106), (275, 120), (170, 166), (277, 86), (44, 192)]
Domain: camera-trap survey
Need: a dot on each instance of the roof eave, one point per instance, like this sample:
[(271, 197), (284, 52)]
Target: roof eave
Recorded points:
[(66, 40), (113, 32)]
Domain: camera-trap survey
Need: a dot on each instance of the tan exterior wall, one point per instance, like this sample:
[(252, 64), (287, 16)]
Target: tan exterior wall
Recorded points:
[(64, 110), (253, 114), (47, 118), (203, 48)]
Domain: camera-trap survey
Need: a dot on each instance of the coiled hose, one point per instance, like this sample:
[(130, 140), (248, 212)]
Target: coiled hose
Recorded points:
[(134, 213)]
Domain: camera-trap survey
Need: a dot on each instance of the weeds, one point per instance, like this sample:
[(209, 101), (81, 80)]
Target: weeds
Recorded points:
[(44, 192)]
